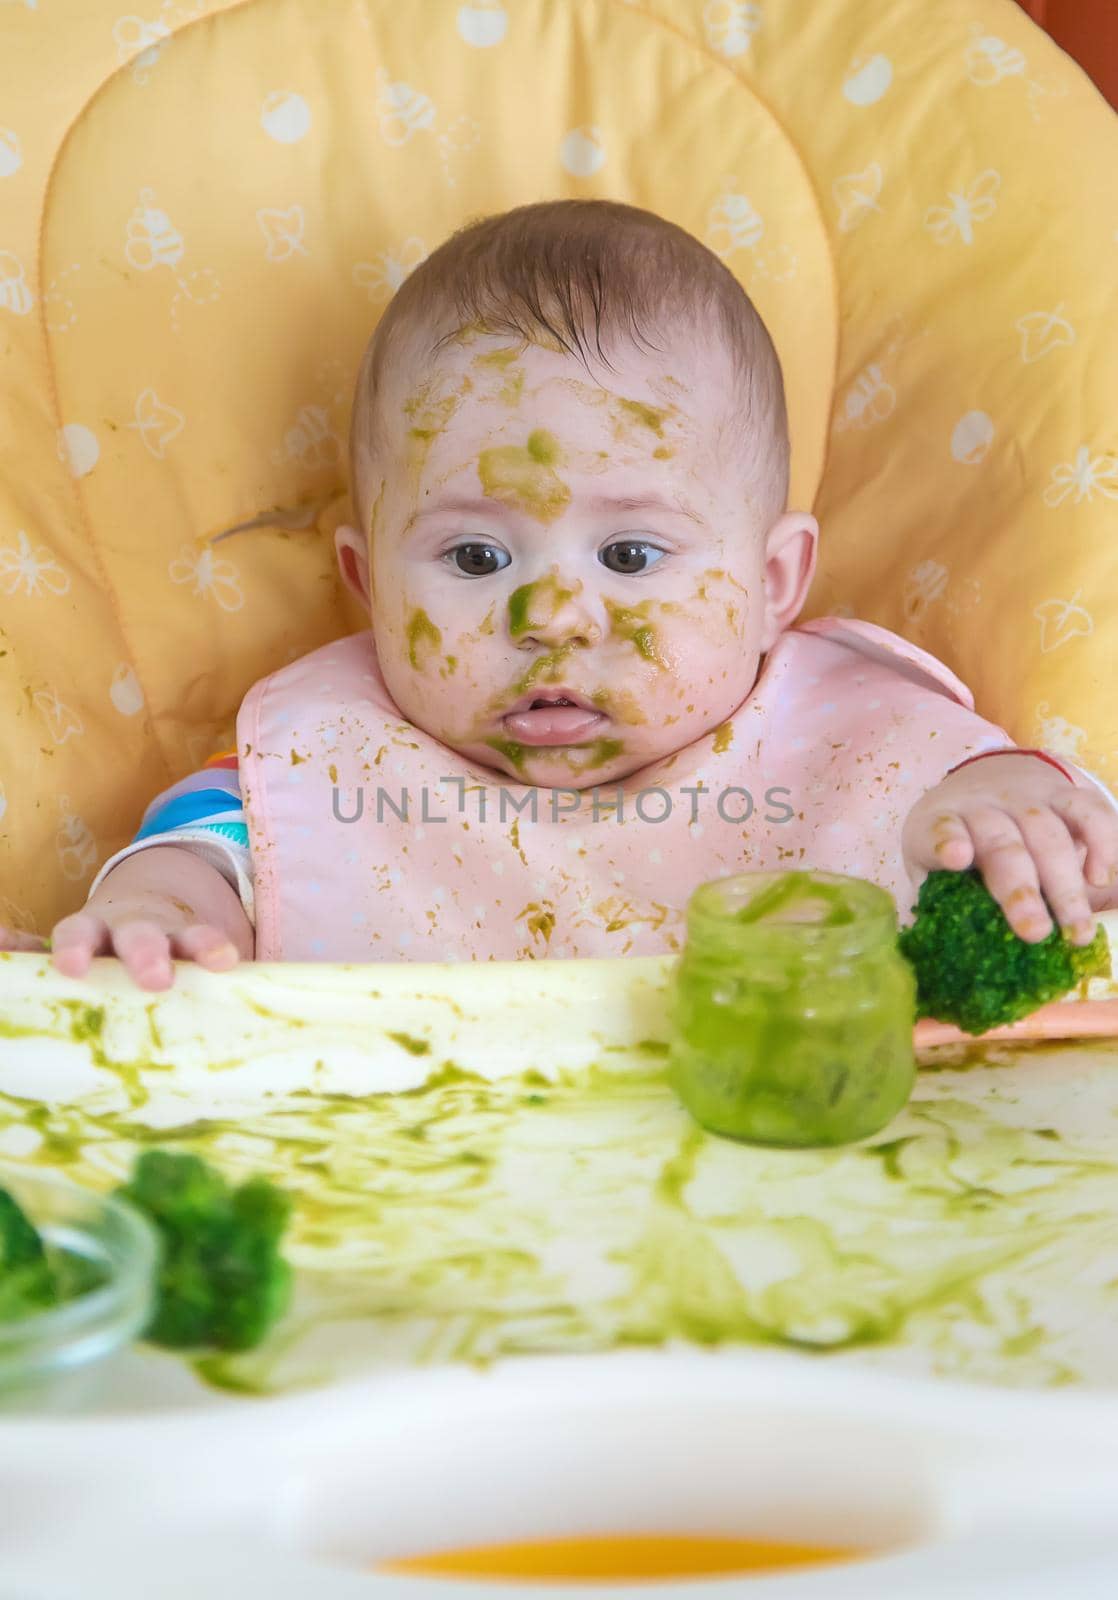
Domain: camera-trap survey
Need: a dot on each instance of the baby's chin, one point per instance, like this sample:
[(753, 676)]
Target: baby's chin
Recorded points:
[(555, 766)]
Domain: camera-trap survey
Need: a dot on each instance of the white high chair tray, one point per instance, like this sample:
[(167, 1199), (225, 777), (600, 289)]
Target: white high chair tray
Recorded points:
[(911, 1343)]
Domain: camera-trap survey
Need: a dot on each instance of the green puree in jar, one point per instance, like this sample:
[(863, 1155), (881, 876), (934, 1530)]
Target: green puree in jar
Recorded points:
[(792, 1009)]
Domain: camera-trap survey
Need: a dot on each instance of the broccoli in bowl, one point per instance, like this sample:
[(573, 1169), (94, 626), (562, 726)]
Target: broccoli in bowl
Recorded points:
[(77, 1275), (177, 1256)]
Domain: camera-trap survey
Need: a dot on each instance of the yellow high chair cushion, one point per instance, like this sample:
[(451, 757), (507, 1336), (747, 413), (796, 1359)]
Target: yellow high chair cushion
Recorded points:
[(204, 209)]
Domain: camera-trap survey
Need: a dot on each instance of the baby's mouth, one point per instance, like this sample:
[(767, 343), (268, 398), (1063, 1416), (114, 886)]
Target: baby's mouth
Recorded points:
[(554, 717)]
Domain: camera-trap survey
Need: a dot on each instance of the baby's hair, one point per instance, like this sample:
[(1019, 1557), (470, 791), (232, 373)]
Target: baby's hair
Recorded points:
[(584, 275)]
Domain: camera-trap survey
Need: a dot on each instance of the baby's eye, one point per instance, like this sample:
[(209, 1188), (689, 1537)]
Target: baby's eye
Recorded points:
[(631, 555), (479, 559)]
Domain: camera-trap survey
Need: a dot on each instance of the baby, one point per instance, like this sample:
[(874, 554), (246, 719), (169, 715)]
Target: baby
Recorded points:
[(583, 692)]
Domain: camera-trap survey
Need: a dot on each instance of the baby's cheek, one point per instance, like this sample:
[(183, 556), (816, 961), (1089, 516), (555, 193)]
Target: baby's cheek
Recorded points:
[(424, 639), (721, 603), (466, 663), (410, 650), (448, 671), (645, 629), (707, 642), (707, 630)]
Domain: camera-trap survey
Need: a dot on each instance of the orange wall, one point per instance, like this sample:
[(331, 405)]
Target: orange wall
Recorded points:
[(1087, 30)]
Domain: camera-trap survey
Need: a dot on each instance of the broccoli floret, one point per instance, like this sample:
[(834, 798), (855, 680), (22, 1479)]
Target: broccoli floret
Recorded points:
[(973, 970), (20, 1243), (222, 1280), (27, 1279)]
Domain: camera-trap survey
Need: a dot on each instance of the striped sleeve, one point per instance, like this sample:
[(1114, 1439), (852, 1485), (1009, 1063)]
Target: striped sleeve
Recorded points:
[(204, 814)]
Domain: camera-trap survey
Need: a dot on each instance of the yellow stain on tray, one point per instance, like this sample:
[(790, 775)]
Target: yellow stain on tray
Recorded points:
[(614, 1557)]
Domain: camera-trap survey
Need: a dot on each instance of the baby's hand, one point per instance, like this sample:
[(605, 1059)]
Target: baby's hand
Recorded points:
[(147, 934), (1028, 831), (144, 936), (16, 939), (161, 904)]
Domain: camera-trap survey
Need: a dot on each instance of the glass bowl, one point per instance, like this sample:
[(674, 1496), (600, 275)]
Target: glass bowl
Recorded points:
[(108, 1235)]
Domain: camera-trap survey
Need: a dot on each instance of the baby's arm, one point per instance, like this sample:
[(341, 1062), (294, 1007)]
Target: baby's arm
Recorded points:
[(1031, 828), (182, 888), (162, 903)]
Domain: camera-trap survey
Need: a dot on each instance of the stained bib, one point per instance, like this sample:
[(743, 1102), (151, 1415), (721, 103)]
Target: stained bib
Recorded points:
[(373, 841)]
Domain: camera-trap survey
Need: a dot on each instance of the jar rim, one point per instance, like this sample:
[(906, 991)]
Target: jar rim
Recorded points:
[(865, 912)]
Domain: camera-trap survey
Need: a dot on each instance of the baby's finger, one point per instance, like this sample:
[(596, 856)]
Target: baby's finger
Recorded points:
[(1009, 871), (16, 939), (76, 940), (943, 842), (1095, 824), (1061, 877), (206, 945), (146, 952)]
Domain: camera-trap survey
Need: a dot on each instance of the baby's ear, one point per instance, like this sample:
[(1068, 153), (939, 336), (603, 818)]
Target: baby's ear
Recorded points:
[(353, 562), (790, 551)]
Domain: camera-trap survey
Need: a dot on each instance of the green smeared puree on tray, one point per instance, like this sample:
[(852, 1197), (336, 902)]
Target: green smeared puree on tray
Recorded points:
[(580, 1210)]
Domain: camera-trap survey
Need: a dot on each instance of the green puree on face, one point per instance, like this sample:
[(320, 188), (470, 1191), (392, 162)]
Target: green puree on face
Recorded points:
[(792, 1011)]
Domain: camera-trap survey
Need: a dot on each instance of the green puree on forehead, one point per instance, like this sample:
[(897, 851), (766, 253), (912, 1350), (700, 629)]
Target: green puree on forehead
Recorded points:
[(501, 358), (652, 417), (524, 478)]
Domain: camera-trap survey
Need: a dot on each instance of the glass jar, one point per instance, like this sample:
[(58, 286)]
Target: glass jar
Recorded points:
[(791, 1009), (106, 1241)]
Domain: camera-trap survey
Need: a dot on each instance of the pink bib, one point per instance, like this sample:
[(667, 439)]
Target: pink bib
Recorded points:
[(373, 841)]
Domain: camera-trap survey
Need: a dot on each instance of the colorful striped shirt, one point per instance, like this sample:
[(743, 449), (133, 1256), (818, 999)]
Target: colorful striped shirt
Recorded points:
[(203, 813)]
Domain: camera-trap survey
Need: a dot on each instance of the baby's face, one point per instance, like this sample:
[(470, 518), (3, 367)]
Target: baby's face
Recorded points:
[(544, 532)]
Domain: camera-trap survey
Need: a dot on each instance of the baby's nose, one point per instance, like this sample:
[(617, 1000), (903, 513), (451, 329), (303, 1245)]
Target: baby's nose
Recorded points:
[(557, 619), (574, 632)]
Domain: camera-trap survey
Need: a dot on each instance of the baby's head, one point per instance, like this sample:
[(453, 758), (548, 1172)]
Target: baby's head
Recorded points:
[(569, 462)]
